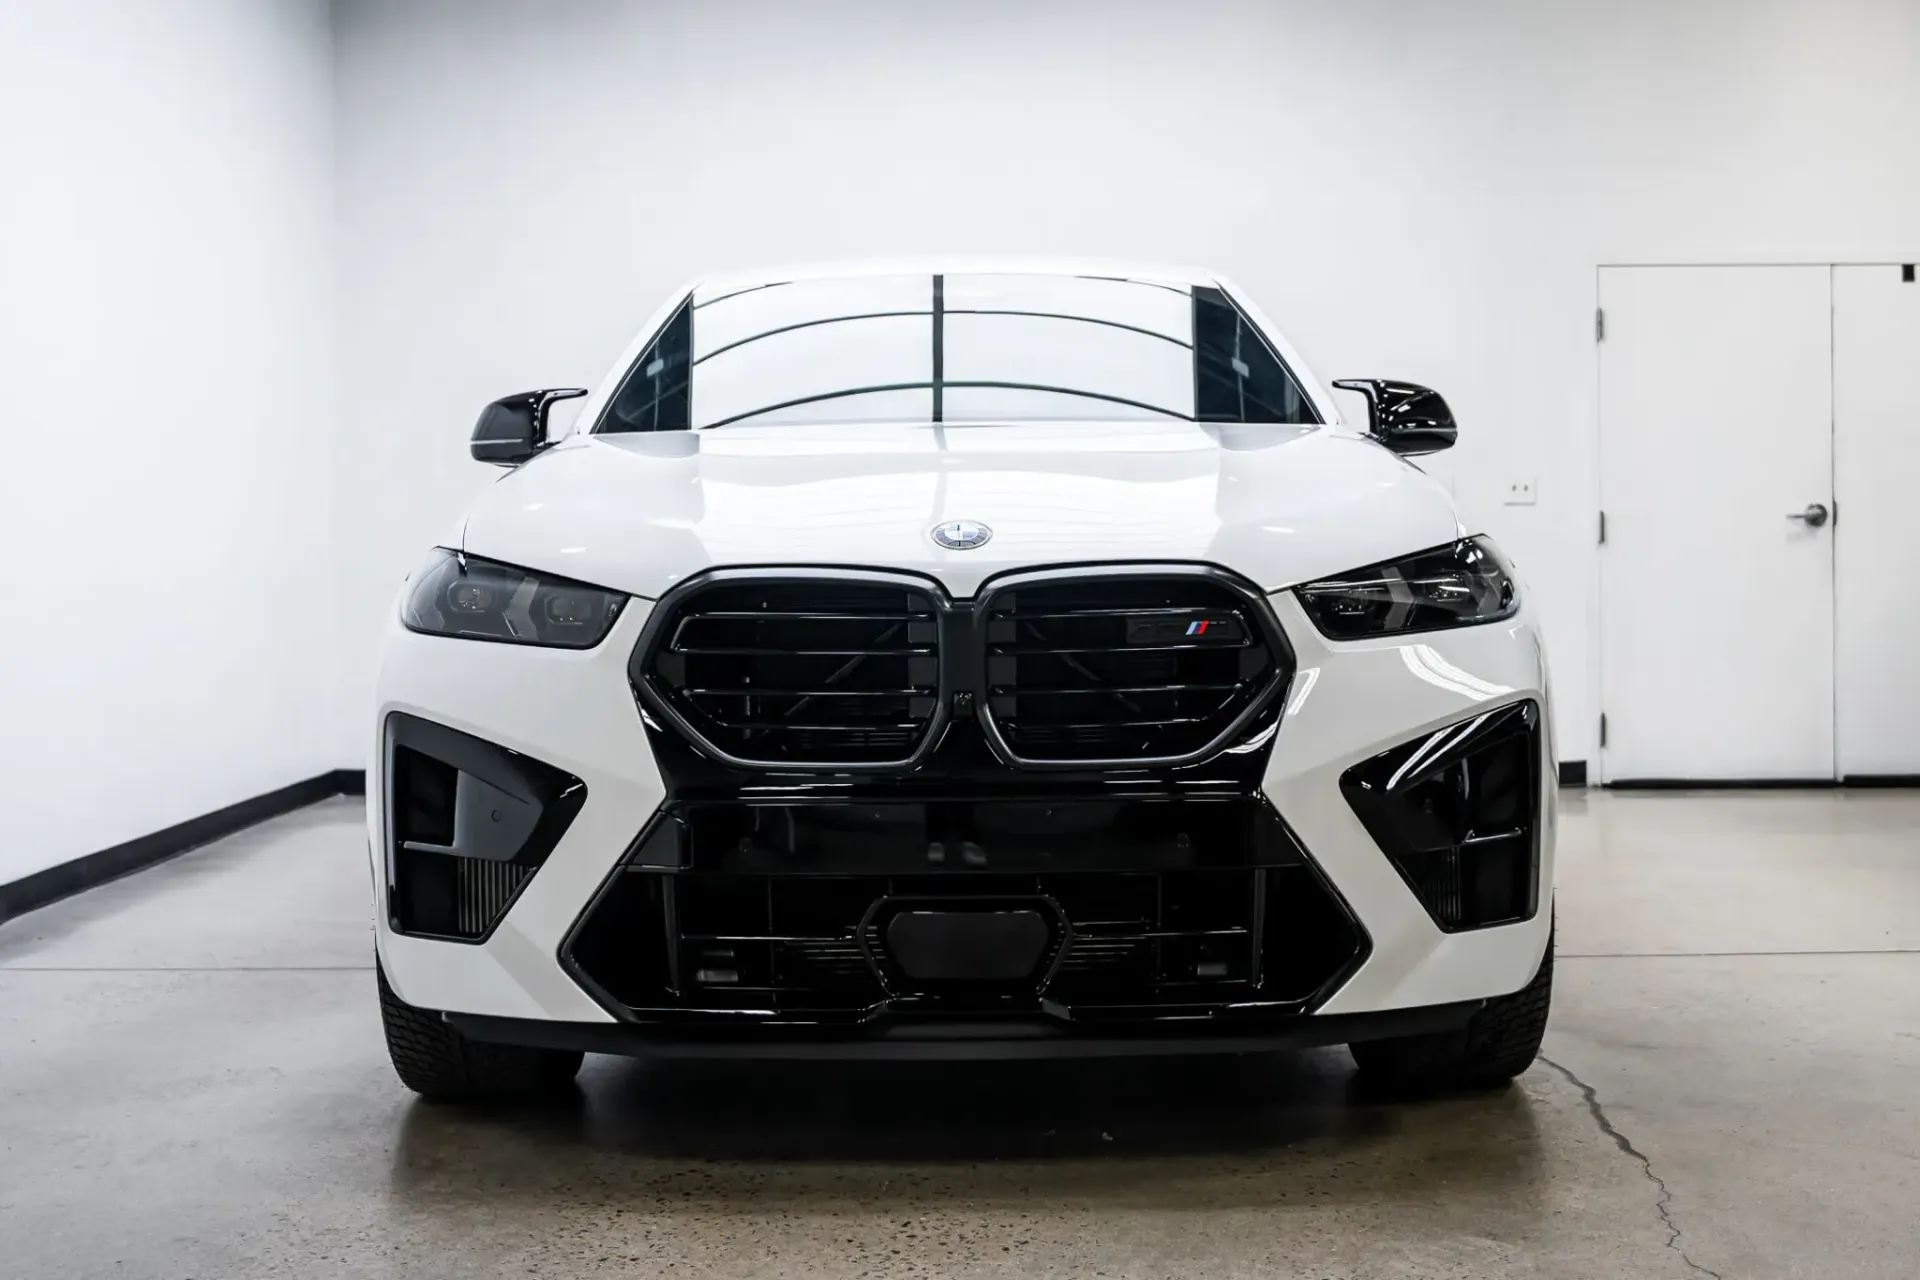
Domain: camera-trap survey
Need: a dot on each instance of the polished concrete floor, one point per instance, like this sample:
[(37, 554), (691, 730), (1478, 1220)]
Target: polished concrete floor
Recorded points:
[(192, 1085)]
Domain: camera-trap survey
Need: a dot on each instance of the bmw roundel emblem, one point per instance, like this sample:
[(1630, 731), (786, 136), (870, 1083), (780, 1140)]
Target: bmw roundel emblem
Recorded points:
[(961, 535)]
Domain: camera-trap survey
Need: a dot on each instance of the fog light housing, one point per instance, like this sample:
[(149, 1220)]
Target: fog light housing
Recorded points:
[(1457, 812)]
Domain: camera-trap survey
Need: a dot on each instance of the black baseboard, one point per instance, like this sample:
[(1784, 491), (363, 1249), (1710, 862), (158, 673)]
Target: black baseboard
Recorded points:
[(1766, 784), (1719, 784), (68, 878), (1573, 773)]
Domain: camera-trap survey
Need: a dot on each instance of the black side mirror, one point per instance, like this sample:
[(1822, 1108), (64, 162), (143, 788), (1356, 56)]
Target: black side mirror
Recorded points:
[(514, 428), (1405, 416)]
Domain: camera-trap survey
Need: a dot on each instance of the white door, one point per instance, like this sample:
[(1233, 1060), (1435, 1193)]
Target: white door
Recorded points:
[(1876, 459), (1716, 607)]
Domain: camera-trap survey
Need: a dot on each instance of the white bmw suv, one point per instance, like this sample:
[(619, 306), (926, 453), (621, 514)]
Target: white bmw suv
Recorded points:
[(962, 661)]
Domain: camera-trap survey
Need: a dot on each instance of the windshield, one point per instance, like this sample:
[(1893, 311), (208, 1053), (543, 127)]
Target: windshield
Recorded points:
[(956, 348)]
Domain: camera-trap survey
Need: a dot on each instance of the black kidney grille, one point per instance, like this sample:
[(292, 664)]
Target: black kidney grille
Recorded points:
[(822, 672), (1122, 668)]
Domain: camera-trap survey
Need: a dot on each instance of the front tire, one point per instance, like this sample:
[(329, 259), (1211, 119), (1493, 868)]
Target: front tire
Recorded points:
[(441, 1065), (1497, 1044)]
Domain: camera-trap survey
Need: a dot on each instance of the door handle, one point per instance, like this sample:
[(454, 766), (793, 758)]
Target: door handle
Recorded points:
[(1815, 515)]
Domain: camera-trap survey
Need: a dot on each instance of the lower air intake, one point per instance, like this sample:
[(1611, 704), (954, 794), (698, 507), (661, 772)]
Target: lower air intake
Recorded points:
[(469, 823), (1457, 812), (818, 914)]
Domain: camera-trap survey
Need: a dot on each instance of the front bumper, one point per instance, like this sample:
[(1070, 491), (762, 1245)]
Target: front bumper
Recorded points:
[(1345, 703)]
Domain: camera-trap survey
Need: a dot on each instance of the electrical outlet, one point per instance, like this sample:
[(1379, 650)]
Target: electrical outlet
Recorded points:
[(1520, 492)]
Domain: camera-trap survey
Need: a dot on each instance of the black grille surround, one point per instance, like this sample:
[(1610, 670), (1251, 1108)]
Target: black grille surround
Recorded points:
[(837, 670), (1102, 666), (1122, 666)]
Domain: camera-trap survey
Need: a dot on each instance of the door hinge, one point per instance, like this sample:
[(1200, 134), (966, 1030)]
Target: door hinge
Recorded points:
[(1603, 528), (1599, 324), (1603, 728)]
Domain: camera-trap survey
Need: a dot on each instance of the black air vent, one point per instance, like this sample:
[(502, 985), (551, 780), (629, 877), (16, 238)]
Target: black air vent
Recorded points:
[(1123, 669), (799, 672), (1457, 812), (469, 823)]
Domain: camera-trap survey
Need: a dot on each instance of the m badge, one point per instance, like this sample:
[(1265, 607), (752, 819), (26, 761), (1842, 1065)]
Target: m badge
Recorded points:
[(1181, 628)]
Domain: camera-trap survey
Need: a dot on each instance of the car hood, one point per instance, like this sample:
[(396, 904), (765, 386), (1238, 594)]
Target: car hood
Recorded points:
[(1278, 504)]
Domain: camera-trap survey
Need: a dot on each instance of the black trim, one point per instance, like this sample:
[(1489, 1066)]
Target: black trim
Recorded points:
[(960, 1040), (752, 288), (1721, 784), (939, 343), (938, 386), (1573, 773), (65, 879), (842, 394), (1060, 315), (1181, 289), (1868, 780), (810, 324)]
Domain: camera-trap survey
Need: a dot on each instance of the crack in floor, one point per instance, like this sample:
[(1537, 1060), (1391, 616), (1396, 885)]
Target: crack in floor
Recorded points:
[(1663, 1202)]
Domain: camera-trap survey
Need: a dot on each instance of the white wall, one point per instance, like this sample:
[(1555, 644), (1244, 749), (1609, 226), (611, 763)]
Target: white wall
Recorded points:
[(1418, 190), (169, 635)]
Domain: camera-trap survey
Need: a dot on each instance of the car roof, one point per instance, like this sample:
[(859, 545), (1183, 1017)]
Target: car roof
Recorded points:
[(1158, 273)]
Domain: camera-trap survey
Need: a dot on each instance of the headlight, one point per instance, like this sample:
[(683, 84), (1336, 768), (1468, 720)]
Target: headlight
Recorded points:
[(1452, 586), (461, 595)]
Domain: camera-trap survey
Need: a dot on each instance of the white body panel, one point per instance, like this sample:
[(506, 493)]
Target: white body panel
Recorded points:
[(1716, 628), (1277, 505), (1876, 454)]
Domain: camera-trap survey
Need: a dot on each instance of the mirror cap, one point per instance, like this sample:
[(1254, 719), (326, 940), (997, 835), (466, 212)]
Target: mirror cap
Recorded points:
[(1404, 416), (514, 428)]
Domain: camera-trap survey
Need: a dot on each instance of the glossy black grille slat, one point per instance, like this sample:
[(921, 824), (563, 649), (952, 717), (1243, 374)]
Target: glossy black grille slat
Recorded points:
[(751, 691), (483, 890), (1120, 668), (801, 672)]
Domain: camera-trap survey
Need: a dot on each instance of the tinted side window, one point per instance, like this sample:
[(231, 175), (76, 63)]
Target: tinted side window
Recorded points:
[(1236, 376), (654, 396)]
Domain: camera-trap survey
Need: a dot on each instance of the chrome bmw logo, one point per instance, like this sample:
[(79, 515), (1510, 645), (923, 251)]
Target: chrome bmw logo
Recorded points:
[(961, 535)]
